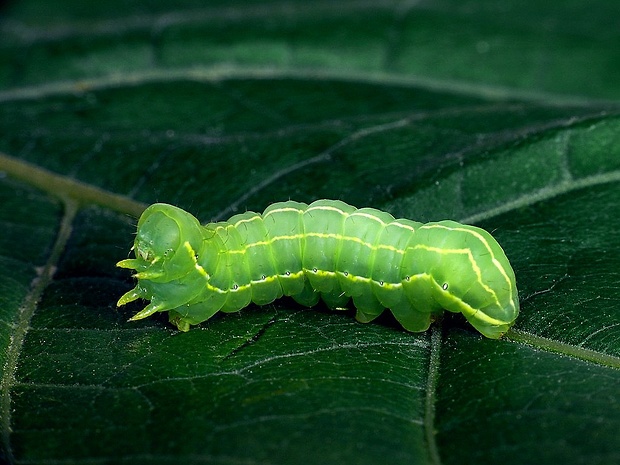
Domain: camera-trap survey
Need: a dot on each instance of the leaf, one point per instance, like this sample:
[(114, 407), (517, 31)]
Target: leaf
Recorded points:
[(496, 113)]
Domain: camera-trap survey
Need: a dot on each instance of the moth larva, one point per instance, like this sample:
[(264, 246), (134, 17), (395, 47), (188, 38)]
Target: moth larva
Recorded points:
[(327, 250)]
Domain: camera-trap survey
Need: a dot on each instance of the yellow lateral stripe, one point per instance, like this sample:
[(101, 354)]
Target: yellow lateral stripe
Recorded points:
[(298, 274), (211, 287), (479, 315), (466, 308)]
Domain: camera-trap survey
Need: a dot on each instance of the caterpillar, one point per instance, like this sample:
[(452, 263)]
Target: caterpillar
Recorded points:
[(328, 250)]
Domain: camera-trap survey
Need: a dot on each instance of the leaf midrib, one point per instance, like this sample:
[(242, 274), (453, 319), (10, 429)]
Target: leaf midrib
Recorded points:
[(22, 324)]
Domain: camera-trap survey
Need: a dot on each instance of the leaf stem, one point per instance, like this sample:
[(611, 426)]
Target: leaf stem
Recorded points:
[(22, 325), (63, 186)]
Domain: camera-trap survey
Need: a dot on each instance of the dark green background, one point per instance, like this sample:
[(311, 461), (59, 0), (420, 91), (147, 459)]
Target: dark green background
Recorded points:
[(500, 113)]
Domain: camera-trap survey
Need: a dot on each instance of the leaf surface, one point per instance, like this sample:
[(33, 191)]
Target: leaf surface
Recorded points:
[(499, 114)]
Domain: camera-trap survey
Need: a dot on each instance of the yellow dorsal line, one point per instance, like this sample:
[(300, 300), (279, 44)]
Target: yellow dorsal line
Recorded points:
[(321, 235), (281, 210), (401, 225), (370, 216), (327, 208), (248, 220)]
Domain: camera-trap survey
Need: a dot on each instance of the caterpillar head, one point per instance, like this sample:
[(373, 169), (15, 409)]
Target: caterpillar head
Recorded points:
[(165, 248), (470, 274)]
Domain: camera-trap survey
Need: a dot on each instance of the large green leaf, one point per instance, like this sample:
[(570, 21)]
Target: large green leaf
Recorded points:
[(496, 113)]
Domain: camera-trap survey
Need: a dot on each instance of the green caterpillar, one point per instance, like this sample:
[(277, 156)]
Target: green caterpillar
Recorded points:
[(327, 250)]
